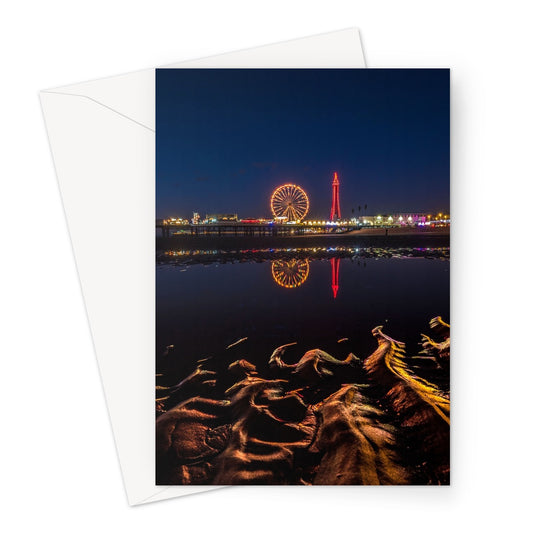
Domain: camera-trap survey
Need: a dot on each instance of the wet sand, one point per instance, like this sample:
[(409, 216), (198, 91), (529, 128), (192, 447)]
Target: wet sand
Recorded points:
[(323, 420)]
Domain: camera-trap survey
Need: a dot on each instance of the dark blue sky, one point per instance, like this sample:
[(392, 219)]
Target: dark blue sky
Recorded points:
[(226, 138)]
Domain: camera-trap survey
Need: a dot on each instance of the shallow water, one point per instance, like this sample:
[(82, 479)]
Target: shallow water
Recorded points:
[(202, 308)]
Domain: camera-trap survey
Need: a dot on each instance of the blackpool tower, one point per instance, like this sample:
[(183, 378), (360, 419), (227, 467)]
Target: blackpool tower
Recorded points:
[(335, 206)]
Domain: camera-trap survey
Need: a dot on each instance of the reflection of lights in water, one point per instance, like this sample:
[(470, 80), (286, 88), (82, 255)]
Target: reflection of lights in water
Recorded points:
[(335, 262), (290, 274)]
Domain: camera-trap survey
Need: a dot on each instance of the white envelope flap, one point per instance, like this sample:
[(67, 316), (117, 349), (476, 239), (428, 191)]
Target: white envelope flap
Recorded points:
[(330, 50)]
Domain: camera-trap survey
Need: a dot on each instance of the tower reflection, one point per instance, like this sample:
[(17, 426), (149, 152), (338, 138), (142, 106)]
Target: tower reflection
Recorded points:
[(335, 262)]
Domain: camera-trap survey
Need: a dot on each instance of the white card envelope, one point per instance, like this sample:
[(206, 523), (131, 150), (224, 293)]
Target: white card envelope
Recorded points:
[(102, 137)]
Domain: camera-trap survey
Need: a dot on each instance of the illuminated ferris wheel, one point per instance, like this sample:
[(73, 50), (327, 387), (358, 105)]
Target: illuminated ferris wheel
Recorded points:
[(290, 274), (289, 202)]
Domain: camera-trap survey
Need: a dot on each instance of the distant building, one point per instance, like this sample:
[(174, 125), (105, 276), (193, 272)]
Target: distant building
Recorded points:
[(402, 219), (409, 219), (172, 221), (222, 217), (196, 218)]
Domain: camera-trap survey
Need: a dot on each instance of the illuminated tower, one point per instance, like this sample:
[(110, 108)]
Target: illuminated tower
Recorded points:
[(335, 205)]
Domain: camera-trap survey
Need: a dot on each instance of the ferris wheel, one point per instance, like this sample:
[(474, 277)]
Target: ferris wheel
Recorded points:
[(290, 274), (289, 202)]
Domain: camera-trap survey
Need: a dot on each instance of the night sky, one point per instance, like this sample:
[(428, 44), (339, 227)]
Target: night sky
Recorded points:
[(226, 138)]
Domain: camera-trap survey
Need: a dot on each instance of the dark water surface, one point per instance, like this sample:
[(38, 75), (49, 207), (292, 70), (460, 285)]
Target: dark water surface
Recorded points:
[(202, 308)]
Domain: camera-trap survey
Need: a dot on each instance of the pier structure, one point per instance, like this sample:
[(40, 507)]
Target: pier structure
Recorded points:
[(253, 229)]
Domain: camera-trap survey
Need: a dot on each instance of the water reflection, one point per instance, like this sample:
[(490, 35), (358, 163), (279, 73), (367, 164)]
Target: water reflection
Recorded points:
[(277, 296), (195, 256), (290, 274), (335, 262), (294, 273), (292, 269)]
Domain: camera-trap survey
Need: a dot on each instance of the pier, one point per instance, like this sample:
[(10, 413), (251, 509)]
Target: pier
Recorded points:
[(254, 229)]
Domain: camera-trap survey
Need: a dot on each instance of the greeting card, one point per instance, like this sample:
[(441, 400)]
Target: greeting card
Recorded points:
[(302, 276)]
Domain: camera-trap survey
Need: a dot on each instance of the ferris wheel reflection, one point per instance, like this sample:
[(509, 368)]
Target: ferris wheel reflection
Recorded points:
[(290, 274), (293, 273)]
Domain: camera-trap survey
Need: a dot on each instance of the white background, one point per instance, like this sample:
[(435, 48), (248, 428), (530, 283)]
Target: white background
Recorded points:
[(59, 469)]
